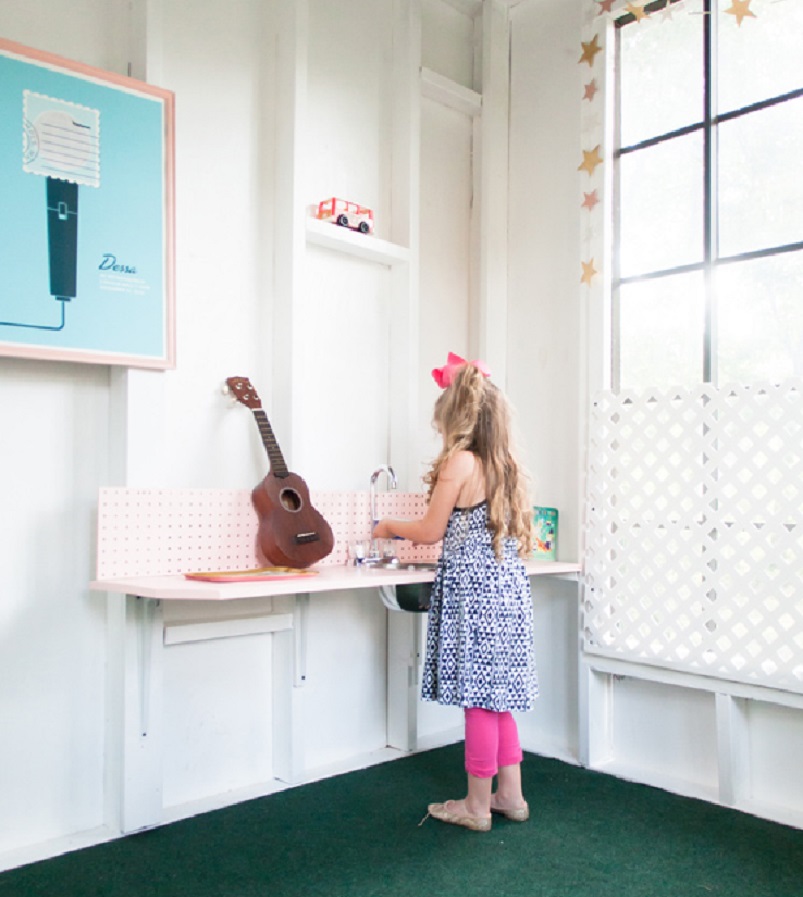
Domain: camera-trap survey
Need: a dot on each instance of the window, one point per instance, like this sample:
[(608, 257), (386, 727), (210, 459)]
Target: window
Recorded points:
[(708, 219)]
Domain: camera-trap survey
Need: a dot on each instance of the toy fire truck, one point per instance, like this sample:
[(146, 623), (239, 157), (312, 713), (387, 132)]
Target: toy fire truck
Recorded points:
[(346, 214)]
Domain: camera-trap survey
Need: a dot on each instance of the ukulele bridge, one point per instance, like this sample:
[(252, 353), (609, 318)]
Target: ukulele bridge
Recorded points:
[(306, 538)]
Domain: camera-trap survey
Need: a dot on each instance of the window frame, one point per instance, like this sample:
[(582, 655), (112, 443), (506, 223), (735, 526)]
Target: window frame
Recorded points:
[(708, 125)]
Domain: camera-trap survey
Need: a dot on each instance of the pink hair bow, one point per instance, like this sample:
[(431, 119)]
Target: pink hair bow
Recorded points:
[(445, 375)]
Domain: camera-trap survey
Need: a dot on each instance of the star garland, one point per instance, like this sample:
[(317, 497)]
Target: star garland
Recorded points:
[(589, 272), (589, 200), (590, 50), (637, 10), (592, 158), (739, 9)]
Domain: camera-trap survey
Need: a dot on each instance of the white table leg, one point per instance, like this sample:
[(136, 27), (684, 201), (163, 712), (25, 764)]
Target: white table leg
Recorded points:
[(289, 678), (142, 737)]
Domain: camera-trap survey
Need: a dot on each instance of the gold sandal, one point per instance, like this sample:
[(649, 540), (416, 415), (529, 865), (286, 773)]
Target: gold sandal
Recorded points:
[(520, 814), (475, 823)]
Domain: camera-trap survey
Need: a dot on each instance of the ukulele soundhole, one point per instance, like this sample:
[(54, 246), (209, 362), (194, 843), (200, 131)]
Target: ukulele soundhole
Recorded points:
[(290, 499)]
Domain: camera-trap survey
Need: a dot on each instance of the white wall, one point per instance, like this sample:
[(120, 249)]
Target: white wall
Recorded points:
[(228, 312), (54, 453), (345, 313), (218, 67), (77, 428), (446, 160), (545, 357), (545, 352)]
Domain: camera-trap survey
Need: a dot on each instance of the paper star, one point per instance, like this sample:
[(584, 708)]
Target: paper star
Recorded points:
[(605, 6), (590, 89), (741, 9), (635, 10), (590, 50), (589, 272), (591, 158), (589, 200)]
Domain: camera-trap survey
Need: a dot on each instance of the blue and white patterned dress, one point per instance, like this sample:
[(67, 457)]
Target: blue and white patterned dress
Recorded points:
[(480, 628)]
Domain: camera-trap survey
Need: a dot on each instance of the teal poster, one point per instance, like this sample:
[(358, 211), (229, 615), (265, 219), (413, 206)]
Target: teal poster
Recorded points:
[(87, 219)]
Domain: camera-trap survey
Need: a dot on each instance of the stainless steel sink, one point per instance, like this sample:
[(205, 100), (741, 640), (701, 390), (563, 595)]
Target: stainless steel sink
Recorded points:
[(396, 566)]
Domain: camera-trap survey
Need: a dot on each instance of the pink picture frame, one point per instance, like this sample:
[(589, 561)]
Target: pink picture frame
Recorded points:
[(87, 166)]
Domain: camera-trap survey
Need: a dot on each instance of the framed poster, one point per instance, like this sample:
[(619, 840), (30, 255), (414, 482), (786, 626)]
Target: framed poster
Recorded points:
[(86, 213)]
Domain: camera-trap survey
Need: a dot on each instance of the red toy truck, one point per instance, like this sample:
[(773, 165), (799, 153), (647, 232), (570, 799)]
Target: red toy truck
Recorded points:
[(346, 214)]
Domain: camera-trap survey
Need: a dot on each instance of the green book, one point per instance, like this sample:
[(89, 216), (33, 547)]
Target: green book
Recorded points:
[(545, 528)]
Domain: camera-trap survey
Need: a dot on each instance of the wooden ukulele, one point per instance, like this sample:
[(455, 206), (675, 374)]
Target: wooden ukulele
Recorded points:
[(291, 532)]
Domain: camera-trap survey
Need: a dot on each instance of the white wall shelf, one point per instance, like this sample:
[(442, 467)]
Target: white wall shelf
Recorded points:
[(449, 93), (364, 246)]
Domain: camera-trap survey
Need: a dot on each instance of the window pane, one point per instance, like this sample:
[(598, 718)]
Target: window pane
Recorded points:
[(760, 188), (660, 76), (661, 206), (661, 325), (760, 59), (760, 312)]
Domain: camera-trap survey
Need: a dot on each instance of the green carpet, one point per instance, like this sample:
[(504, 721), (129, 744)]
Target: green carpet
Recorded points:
[(357, 835)]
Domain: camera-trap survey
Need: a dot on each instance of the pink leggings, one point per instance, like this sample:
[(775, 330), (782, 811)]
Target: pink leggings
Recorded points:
[(492, 740)]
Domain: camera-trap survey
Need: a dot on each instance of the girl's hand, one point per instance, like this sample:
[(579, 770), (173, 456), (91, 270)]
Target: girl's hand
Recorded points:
[(381, 530)]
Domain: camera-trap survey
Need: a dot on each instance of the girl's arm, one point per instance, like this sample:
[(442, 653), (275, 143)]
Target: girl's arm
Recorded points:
[(431, 527)]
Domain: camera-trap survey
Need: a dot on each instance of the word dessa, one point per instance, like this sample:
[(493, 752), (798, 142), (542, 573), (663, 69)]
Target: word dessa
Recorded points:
[(109, 263)]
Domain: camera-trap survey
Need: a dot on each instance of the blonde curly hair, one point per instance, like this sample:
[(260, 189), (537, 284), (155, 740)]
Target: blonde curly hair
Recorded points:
[(473, 415)]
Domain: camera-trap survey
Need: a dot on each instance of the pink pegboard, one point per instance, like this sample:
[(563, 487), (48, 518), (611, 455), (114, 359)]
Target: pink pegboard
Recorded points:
[(157, 532), (160, 532)]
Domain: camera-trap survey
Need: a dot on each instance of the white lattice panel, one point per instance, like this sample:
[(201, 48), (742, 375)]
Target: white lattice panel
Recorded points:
[(159, 532), (694, 531)]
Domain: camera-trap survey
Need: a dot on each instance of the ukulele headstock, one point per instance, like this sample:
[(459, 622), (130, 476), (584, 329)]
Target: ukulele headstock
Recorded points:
[(244, 392)]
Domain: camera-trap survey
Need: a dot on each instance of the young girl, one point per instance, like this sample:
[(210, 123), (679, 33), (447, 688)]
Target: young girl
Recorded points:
[(480, 630)]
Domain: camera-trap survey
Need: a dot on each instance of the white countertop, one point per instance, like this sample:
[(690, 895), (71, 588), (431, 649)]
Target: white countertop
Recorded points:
[(328, 579)]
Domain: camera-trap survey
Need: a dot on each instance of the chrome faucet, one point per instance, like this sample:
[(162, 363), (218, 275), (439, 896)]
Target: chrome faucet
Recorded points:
[(373, 554)]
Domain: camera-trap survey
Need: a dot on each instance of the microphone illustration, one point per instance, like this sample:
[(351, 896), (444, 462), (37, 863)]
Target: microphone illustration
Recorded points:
[(62, 144), (62, 237)]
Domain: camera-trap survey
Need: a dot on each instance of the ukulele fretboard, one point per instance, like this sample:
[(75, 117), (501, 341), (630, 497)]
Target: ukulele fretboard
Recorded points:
[(277, 466)]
